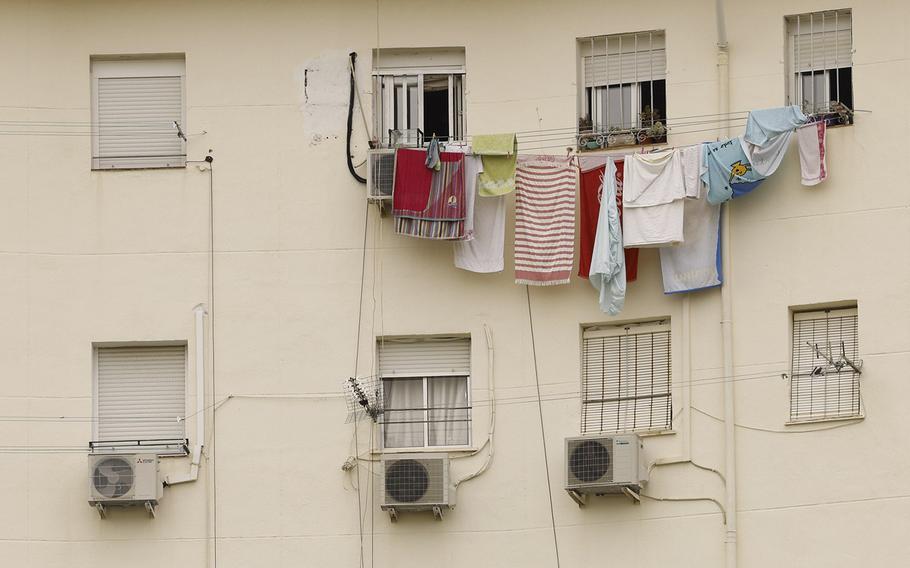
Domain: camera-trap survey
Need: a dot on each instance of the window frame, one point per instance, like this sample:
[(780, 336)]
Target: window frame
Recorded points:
[(597, 135), (803, 314), (135, 66), (416, 65), (426, 378), (173, 449), (835, 115), (619, 330)]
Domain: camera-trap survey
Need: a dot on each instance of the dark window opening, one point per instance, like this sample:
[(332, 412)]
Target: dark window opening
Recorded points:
[(436, 106)]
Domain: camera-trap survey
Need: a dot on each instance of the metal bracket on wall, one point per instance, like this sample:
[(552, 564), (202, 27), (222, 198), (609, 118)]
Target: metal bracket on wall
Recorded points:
[(580, 498), (437, 512), (152, 509), (102, 511), (393, 514), (633, 495)]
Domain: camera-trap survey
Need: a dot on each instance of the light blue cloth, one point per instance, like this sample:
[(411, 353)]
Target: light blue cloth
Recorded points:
[(608, 265), (727, 171), (765, 124)]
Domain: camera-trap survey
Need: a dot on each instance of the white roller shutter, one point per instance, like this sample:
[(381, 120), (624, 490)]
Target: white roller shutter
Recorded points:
[(627, 58), (818, 390), (141, 392), (424, 357), (823, 40), (136, 103)]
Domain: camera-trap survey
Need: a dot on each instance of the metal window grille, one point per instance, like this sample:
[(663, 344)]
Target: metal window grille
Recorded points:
[(818, 389), (623, 95), (820, 46), (426, 391), (626, 379)]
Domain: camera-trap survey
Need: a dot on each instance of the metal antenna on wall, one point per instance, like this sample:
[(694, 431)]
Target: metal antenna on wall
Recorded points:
[(842, 362)]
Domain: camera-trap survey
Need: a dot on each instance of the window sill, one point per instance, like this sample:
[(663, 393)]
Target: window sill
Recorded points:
[(139, 168), (656, 433), (162, 448), (425, 450), (810, 421)]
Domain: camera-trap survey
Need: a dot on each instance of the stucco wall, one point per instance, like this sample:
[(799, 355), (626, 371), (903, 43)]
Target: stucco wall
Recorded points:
[(123, 256)]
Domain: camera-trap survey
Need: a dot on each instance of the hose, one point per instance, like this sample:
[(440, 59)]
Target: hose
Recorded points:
[(348, 156)]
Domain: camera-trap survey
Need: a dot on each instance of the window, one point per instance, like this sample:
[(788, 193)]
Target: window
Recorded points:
[(623, 98), (822, 385), (426, 393), (418, 93), (626, 378), (135, 103), (820, 55), (140, 395)]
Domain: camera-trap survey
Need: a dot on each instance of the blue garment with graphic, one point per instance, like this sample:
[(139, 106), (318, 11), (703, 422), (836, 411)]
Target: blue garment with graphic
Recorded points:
[(765, 124), (727, 171)]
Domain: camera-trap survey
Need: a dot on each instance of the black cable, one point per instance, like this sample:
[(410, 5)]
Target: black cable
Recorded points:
[(348, 156), (543, 433)]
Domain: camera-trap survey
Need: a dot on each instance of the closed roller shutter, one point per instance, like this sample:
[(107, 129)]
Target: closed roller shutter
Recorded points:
[(629, 58), (141, 393), (425, 357), (626, 379), (822, 40), (818, 389)]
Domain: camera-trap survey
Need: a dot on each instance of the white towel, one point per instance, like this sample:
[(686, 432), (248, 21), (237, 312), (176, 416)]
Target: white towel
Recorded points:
[(691, 158), (766, 158), (485, 224), (811, 139), (695, 263), (654, 190)]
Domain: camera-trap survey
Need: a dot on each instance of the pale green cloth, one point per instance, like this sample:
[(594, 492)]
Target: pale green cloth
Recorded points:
[(499, 153)]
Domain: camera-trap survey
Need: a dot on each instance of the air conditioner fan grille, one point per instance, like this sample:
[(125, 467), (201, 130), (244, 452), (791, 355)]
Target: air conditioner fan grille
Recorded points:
[(406, 481), (590, 461), (113, 477)]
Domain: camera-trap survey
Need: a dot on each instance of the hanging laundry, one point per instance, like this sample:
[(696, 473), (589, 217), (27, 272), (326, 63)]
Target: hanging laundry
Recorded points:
[(482, 249), (608, 270), (499, 152), (426, 203), (591, 170), (765, 124), (811, 140), (691, 160), (433, 155), (695, 263), (544, 220), (767, 158), (631, 254), (653, 199), (727, 171)]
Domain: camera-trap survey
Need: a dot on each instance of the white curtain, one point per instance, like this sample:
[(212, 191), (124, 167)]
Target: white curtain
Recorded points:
[(449, 415), (403, 428)]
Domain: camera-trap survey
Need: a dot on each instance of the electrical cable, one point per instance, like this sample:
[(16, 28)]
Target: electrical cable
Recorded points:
[(211, 160), (348, 157), (543, 434)]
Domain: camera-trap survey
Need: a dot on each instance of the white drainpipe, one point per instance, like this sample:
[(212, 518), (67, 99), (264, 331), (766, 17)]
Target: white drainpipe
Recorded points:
[(726, 297), (193, 474)]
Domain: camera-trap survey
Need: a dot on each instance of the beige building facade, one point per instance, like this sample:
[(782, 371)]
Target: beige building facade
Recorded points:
[(115, 245)]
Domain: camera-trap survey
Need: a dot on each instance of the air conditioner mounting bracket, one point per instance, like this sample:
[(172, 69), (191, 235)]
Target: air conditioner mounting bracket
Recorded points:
[(152, 509), (393, 514), (635, 496), (580, 498), (437, 512), (102, 510)]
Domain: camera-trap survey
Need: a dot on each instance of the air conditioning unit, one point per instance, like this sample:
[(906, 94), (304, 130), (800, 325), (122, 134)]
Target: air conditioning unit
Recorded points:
[(123, 480), (416, 482), (604, 465), (380, 174)]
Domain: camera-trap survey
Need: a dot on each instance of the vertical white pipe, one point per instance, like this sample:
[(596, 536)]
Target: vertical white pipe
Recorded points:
[(723, 76), (173, 479)]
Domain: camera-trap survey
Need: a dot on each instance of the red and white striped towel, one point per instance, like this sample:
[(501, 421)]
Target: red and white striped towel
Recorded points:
[(544, 220)]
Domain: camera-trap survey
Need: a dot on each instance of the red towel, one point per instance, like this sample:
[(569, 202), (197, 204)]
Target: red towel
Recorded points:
[(590, 211), (427, 203)]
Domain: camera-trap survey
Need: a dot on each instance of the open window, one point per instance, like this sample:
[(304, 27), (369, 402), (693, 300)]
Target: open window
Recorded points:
[(820, 61), (418, 93), (623, 98)]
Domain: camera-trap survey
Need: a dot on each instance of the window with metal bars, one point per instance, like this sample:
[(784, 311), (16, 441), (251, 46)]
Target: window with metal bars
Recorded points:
[(820, 56), (426, 393), (626, 378), (822, 385), (623, 94)]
